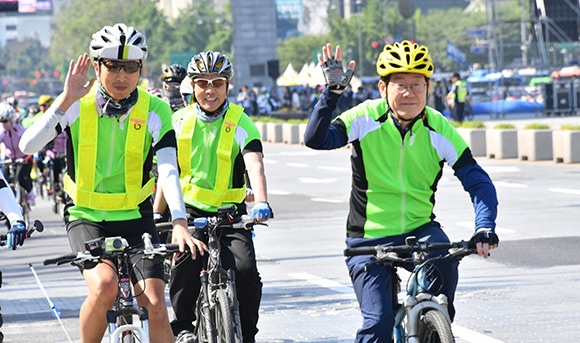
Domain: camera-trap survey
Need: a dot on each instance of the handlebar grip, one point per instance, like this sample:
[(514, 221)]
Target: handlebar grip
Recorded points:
[(360, 251), (60, 260), (172, 247)]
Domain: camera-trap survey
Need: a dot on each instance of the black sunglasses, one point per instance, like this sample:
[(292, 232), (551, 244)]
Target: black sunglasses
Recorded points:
[(115, 67)]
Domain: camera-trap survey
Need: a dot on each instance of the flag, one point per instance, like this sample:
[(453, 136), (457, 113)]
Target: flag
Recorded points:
[(455, 54)]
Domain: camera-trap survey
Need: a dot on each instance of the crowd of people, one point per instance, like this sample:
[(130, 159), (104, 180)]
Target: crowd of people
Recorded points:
[(208, 154)]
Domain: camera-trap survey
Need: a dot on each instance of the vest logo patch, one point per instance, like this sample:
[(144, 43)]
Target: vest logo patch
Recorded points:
[(229, 125), (137, 123)]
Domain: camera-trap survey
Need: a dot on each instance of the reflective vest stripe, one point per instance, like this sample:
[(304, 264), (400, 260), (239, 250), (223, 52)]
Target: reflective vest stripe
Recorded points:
[(461, 89), (83, 191), (220, 193)]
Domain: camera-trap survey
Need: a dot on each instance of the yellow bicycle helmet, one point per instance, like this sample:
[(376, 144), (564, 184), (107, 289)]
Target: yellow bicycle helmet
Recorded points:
[(405, 57), (46, 100)]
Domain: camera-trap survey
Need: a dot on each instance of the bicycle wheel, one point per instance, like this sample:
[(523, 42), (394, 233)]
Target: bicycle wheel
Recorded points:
[(435, 328), (233, 296), (223, 317), (204, 325), (126, 336)]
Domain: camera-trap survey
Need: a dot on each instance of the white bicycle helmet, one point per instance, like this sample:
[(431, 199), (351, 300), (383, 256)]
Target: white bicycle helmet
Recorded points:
[(118, 42), (6, 112), (210, 62)]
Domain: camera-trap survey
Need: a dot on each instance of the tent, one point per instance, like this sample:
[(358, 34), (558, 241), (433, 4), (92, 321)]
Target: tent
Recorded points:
[(289, 77)]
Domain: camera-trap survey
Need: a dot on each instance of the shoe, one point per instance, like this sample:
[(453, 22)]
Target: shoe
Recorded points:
[(30, 199), (185, 336)]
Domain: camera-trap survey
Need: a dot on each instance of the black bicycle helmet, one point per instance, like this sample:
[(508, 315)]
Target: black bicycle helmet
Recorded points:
[(174, 73)]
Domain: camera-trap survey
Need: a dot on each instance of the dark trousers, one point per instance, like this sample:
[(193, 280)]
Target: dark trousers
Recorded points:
[(372, 283), (459, 111), (238, 254)]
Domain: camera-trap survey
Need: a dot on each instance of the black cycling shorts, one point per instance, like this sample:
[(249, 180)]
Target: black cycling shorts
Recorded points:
[(80, 231)]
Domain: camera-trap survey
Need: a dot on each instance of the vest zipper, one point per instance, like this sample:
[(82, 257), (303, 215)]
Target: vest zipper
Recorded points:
[(110, 164), (402, 182), (209, 137)]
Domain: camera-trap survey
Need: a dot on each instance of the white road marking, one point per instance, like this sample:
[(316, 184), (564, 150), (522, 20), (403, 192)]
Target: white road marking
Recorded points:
[(565, 190), (298, 165), (472, 336), (277, 192), (499, 169), (459, 331), (334, 168), (509, 184), (317, 180), (334, 201), (498, 230), (322, 282), (300, 153)]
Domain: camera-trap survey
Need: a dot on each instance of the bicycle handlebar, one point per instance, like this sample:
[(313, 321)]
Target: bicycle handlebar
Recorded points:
[(149, 250), (246, 222), (409, 248), (36, 226)]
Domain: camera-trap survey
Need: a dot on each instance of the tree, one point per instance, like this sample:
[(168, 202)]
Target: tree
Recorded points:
[(77, 22)]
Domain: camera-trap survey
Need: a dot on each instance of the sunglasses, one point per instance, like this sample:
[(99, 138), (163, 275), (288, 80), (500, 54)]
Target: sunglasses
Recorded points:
[(115, 67), (218, 82)]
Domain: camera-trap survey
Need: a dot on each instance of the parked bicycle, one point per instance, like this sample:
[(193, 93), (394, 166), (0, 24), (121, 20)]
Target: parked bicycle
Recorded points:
[(121, 316), (217, 316), (11, 169), (422, 316)]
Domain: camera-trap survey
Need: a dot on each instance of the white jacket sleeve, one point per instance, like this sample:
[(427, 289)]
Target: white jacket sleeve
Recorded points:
[(169, 178), (41, 132), (8, 203)]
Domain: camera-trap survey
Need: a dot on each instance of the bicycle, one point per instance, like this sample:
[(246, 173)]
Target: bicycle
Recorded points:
[(37, 226), (421, 317), (217, 316), (11, 169), (120, 317)]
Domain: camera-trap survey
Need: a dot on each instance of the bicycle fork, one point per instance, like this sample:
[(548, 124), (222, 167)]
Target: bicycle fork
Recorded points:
[(411, 311), (120, 321)]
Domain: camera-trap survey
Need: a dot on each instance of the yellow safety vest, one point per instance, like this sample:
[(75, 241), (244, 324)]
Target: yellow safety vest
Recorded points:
[(220, 193), (461, 89), (83, 191)]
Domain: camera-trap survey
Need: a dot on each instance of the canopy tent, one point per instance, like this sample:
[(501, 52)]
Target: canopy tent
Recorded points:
[(289, 77)]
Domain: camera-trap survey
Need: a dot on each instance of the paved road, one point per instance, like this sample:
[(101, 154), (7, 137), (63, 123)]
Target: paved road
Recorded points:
[(524, 293)]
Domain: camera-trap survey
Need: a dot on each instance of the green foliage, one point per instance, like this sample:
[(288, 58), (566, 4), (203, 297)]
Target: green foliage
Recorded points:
[(537, 126), (473, 125), (504, 126), (570, 127), (198, 28), (299, 50)]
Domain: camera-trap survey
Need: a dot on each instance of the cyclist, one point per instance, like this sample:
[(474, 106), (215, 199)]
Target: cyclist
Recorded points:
[(44, 102), (171, 79), (213, 132), (9, 206), (399, 146), (113, 129), (10, 134)]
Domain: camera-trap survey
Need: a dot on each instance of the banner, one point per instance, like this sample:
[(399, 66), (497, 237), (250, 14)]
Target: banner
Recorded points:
[(455, 54)]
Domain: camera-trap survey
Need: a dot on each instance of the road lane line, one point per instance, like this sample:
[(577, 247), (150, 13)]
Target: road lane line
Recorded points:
[(277, 192), (564, 190), (317, 180), (297, 165), (334, 168), (326, 283), (509, 184), (472, 336), (459, 331), (334, 201)]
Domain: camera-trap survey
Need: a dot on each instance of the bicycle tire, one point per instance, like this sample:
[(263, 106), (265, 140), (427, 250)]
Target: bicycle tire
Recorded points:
[(233, 296), (434, 327), (223, 317), (204, 327)]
